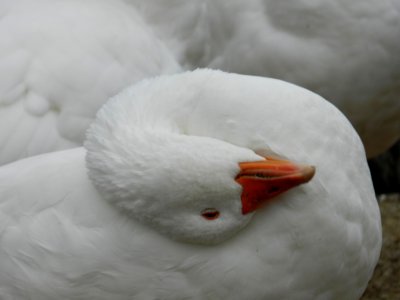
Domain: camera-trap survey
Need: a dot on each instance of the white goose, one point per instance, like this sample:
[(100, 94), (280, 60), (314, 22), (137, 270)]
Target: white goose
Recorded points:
[(171, 206), (346, 51), (60, 61)]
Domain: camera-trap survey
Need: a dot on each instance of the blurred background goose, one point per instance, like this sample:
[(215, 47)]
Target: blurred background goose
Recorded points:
[(60, 61), (346, 51)]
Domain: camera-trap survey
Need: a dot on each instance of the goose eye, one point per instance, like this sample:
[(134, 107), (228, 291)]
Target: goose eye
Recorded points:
[(210, 213)]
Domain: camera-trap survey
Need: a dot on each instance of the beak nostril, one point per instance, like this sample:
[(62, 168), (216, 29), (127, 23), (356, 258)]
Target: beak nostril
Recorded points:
[(273, 189)]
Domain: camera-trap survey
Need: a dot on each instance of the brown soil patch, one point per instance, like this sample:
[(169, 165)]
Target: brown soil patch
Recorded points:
[(385, 284)]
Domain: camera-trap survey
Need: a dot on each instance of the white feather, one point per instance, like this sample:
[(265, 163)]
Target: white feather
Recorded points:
[(65, 236), (346, 51), (60, 61)]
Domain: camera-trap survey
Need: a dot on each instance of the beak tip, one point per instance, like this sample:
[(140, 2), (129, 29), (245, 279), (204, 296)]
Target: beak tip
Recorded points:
[(309, 172)]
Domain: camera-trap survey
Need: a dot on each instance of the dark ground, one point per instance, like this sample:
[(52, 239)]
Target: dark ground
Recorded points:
[(385, 284), (385, 171)]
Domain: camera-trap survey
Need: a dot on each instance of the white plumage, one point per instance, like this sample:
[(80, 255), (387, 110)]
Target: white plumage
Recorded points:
[(60, 61), (346, 51), (161, 152)]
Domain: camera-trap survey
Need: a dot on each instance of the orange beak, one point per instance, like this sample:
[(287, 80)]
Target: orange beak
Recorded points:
[(263, 180)]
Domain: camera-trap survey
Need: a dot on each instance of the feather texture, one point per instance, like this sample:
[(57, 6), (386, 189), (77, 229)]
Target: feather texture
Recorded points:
[(64, 235)]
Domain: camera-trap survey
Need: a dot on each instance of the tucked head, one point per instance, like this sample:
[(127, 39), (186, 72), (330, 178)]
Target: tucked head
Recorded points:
[(148, 158)]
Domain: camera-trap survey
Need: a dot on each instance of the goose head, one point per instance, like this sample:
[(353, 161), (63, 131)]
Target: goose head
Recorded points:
[(151, 154)]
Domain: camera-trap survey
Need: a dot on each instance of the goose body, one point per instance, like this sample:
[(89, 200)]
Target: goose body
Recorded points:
[(346, 51), (60, 61), (120, 218)]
